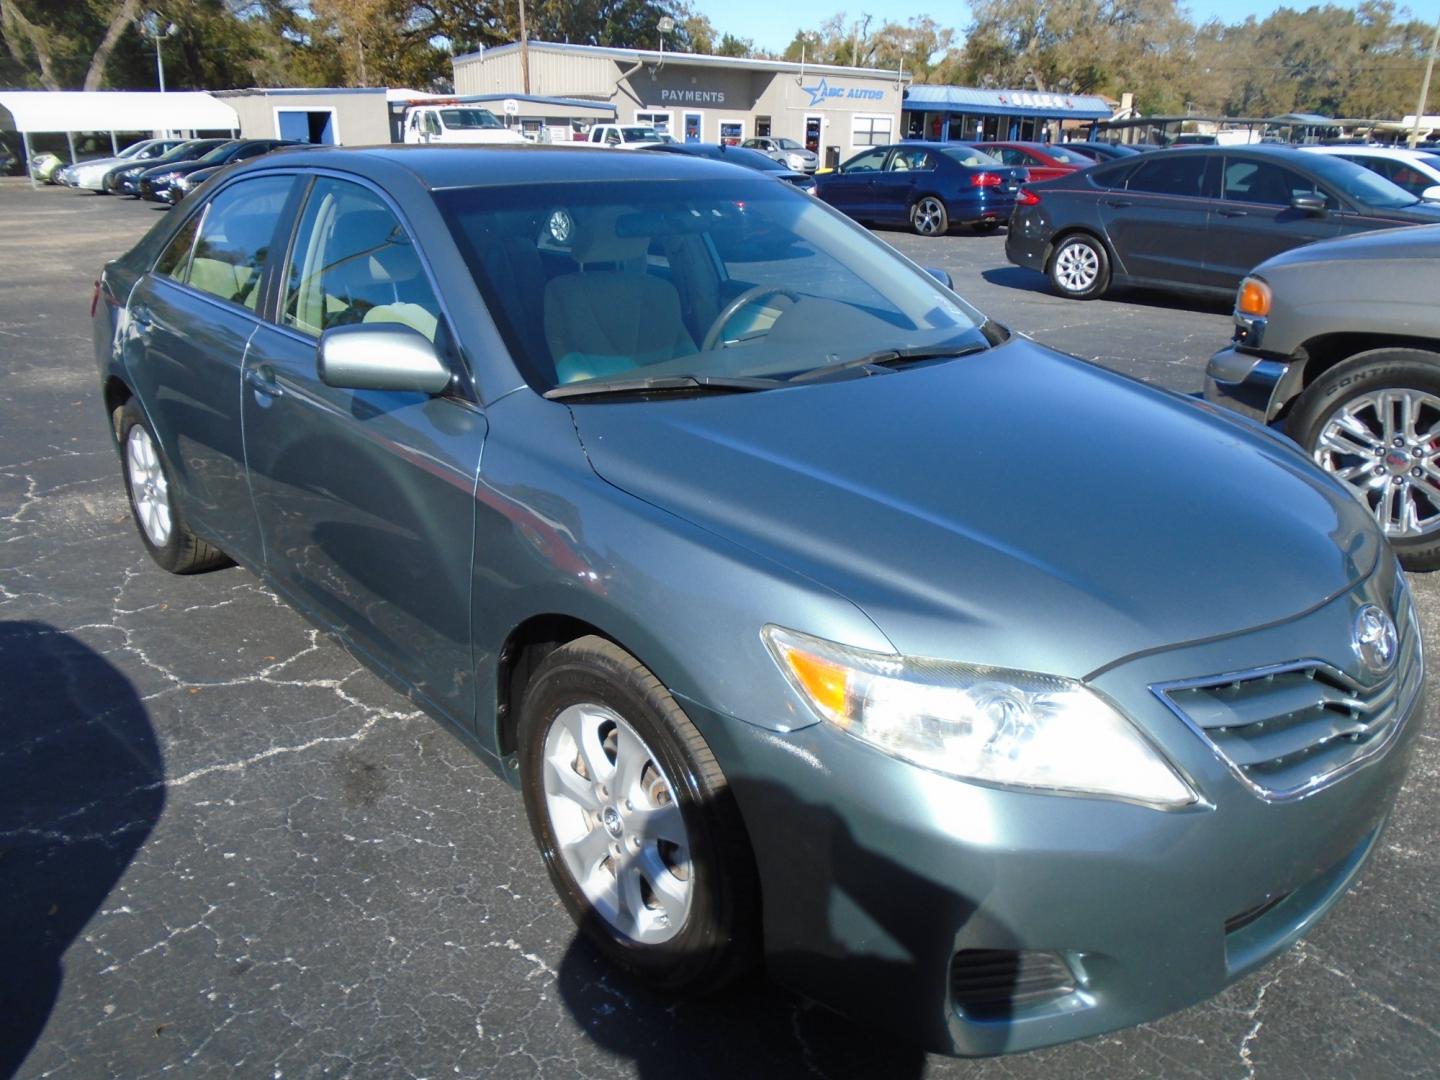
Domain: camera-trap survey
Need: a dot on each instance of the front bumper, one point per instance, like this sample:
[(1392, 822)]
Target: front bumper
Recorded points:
[(879, 878), (1255, 385)]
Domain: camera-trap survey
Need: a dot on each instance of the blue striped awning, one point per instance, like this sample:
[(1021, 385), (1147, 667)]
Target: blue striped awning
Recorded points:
[(978, 102)]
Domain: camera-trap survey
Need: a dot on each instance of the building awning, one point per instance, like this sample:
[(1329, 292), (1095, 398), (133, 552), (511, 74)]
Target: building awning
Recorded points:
[(979, 102), (34, 111)]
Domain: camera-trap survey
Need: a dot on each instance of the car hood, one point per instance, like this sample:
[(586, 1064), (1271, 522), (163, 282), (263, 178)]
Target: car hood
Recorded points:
[(1015, 508), (1403, 244)]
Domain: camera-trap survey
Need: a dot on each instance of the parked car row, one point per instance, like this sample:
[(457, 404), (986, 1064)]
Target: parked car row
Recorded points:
[(161, 170)]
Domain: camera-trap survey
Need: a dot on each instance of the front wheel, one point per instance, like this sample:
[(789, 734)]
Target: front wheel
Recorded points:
[(928, 217), (1080, 268), (1373, 423), (635, 821)]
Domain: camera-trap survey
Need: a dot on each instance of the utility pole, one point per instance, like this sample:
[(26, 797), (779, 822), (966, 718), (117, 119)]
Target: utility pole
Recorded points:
[(524, 49), (1425, 86)]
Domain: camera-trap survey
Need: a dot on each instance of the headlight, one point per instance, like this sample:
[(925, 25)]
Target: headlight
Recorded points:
[(163, 178), (997, 726)]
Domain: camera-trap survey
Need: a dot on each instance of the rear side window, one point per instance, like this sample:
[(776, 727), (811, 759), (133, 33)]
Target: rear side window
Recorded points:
[(911, 161), (1112, 176), (1183, 174), (234, 241), (354, 263), (174, 261)]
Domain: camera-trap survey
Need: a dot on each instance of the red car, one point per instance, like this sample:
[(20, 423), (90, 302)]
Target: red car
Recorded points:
[(1044, 160)]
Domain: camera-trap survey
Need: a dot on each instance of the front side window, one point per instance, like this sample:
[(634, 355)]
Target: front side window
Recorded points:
[(1263, 182), (1182, 175), (870, 161), (234, 241), (353, 262), (733, 278), (432, 125)]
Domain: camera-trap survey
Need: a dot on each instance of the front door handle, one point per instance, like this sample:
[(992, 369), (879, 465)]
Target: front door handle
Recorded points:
[(140, 316), (1119, 204), (1234, 213), (262, 381)]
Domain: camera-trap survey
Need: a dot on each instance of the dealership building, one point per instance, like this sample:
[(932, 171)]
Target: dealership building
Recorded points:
[(834, 111), (975, 114)]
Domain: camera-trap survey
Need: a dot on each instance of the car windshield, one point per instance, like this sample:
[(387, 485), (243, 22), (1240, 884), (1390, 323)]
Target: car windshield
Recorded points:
[(788, 144), (1359, 183), (640, 134), (470, 118), (969, 156), (716, 279), (1068, 157), (219, 154), (184, 152)]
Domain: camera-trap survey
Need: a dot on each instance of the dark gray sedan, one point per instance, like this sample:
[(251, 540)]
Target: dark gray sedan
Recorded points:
[(1196, 220), (751, 564)]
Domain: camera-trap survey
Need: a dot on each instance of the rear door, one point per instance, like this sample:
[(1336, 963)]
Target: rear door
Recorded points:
[(1157, 222), (365, 497), (1254, 220), (189, 321)]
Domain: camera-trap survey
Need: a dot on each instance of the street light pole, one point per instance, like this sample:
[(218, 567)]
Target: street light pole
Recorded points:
[(524, 49), (1425, 86), (153, 28)]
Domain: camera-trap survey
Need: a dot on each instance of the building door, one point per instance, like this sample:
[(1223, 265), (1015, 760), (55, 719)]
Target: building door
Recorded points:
[(762, 127), (812, 134), (694, 127), (310, 126)]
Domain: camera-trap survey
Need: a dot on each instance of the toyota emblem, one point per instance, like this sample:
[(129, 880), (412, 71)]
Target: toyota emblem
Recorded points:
[(1373, 637)]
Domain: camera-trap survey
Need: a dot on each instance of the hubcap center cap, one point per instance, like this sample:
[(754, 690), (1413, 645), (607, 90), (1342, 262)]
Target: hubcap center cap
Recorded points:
[(610, 818), (1397, 461)]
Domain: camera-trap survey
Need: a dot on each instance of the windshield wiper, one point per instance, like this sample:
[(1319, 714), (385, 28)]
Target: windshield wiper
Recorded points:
[(888, 358), (683, 384)]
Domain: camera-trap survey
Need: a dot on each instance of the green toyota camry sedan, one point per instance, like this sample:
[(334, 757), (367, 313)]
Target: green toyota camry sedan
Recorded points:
[(742, 546)]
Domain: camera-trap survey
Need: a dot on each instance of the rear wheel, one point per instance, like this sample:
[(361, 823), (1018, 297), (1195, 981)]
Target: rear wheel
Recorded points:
[(635, 820), (1080, 267), (928, 217), (1373, 423), (158, 517)]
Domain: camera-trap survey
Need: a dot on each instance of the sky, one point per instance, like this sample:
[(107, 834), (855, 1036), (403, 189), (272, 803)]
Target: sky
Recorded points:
[(772, 26)]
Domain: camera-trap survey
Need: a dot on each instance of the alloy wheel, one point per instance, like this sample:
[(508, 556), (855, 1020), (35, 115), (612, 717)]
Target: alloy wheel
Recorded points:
[(617, 825), (1077, 267), (149, 489), (929, 216), (1384, 445)]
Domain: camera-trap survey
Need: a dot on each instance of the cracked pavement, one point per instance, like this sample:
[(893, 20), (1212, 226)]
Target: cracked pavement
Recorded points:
[(226, 848)]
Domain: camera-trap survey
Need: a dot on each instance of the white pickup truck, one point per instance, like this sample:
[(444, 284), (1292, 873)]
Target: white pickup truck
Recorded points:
[(455, 122), (624, 136)]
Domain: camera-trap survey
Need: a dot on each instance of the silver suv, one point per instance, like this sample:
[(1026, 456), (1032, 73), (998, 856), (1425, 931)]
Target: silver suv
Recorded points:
[(1340, 342)]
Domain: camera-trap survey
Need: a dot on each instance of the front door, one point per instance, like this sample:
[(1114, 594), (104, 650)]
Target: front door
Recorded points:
[(191, 319), (365, 497), (1254, 219), (851, 189), (1157, 222), (812, 134)]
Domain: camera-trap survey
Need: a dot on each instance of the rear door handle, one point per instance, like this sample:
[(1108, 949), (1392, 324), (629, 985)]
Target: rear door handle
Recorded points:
[(262, 380), (1234, 213), (1118, 203), (140, 316)]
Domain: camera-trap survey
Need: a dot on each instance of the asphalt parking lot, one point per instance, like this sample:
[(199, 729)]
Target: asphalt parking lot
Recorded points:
[(227, 849)]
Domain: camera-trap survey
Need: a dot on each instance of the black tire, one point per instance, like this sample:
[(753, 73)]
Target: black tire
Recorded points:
[(928, 216), (182, 552), (1079, 267), (719, 939), (1414, 370)]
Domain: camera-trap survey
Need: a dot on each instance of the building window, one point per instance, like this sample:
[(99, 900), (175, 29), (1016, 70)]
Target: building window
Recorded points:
[(762, 127), (731, 132), (660, 121), (871, 130)]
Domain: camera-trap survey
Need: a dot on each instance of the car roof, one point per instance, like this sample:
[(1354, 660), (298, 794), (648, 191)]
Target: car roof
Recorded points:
[(1402, 153), (461, 166)]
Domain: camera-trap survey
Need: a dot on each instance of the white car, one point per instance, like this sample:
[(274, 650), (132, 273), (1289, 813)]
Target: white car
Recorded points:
[(90, 175), (1417, 171), (456, 122)]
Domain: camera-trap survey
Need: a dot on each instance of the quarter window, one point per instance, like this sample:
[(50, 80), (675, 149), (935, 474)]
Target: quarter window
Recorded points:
[(354, 263), (174, 261), (1183, 174), (234, 240)]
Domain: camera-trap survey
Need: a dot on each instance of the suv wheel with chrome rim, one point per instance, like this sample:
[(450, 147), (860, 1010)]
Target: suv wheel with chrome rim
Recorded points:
[(635, 820), (1080, 267), (1373, 423)]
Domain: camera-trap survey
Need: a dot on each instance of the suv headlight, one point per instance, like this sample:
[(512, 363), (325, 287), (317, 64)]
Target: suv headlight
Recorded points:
[(993, 725)]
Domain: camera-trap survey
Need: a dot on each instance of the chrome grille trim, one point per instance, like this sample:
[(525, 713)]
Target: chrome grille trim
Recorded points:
[(1268, 721)]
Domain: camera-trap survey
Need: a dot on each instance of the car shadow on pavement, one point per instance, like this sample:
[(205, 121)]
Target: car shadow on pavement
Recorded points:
[(81, 787), (1018, 277), (867, 929)]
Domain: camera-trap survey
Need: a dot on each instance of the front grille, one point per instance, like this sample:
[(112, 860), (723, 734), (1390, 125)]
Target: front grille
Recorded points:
[(992, 983), (1289, 729)]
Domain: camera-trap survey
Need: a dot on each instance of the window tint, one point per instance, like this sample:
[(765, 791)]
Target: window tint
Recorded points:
[(1264, 182), (235, 238), (911, 161), (1183, 174), (1398, 172), (174, 261), (870, 161), (1112, 176), (1011, 156), (354, 263)]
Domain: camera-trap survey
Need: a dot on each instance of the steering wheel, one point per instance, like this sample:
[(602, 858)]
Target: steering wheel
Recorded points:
[(734, 307)]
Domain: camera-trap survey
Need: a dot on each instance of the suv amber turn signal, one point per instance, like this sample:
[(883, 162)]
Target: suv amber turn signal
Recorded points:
[(1254, 297)]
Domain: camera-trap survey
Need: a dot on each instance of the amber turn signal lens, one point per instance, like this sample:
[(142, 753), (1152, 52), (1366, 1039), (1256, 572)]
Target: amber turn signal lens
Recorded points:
[(1254, 297), (823, 680)]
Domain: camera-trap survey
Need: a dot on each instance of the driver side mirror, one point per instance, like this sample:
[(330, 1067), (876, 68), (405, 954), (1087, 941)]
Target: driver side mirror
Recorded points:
[(1308, 203), (380, 356), (941, 275), (1431, 194)]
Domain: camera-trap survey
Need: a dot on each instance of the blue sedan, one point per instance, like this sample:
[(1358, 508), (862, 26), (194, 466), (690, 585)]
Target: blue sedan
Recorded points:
[(928, 186)]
